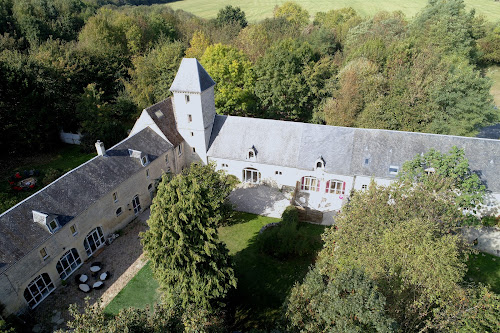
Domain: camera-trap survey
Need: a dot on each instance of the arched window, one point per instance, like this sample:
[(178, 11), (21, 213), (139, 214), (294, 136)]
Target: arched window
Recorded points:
[(251, 175), (68, 263), (93, 241), (38, 289), (335, 186), (310, 184)]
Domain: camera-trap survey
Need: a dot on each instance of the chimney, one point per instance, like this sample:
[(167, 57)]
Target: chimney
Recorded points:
[(101, 151)]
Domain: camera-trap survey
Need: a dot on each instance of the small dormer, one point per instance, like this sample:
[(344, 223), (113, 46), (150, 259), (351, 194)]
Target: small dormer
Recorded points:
[(430, 171), (252, 154), (49, 221), (142, 157), (319, 164)]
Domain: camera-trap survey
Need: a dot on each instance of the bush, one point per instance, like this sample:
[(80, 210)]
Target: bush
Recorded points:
[(285, 240), (50, 175), (491, 221)]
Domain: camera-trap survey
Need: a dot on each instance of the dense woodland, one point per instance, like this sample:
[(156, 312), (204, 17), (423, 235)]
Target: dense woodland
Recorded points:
[(91, 65)]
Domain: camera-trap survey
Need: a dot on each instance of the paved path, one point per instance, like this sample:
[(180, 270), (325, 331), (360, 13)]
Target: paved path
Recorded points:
[(488, 239), (259, 199)]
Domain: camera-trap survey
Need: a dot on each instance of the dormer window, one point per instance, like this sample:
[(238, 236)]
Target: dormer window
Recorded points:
[(320, 163), (252, 154), (53, 225), (190, 118), (430, 171), (186, 97), (144, 160), (48, 221)]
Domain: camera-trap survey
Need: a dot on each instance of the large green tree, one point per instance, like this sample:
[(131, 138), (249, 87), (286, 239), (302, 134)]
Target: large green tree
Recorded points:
[(231, 15), (235, 79), (189, 261), (349, 302), (291, 79)]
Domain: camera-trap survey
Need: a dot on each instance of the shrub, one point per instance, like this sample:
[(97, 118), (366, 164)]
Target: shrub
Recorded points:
[(50, 175), (491, 221), (285, 240)]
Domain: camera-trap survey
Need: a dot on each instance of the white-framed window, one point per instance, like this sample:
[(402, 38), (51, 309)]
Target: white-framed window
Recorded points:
[(38, 289), (119, 211), (364, 187), (310, 183), (179, 150), (252, 154), (194, 150), (335, 186), (144, 160), (73, 230), (147, 173), (115, 197), (93, 241), (430, 171), (53, 225), (393, 170), (169, 170), (69, 262), (367, 161), (251, 175), (192, 133), (43, 253), (320, 163), (186, 98), (190, 118)]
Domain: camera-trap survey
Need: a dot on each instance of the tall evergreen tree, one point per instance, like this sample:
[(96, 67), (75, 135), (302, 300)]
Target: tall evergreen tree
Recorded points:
[(189, 261)]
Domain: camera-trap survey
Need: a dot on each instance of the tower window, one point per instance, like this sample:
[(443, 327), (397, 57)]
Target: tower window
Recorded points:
[(192, 133), (43, 253), (194, 150), (187, 98), (190, 118)]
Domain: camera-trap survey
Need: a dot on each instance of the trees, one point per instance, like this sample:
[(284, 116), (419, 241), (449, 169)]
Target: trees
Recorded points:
[(154, 72), (231, 15), (290, 80), (235, 79), (350, 302), (197, 45), (293, 13), (432, 166), (190, 263)]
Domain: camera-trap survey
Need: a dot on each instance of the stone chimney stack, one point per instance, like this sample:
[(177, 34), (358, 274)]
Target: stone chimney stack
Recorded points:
[(101, 151)]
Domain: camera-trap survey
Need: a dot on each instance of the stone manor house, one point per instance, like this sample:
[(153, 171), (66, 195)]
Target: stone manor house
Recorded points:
[(46, 237)]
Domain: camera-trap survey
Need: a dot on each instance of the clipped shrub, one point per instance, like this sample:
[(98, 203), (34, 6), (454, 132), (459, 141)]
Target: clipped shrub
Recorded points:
[(285, 240)]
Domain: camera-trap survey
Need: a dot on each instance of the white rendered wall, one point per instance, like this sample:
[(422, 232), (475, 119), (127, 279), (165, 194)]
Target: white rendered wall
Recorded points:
[(195, 119)]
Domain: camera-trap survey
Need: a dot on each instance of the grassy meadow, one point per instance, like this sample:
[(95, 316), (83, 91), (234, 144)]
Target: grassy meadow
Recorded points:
[(493, 73), (256, 10)]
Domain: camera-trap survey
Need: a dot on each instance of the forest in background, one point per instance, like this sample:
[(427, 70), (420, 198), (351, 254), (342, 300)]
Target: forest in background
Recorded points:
[(91, 66)]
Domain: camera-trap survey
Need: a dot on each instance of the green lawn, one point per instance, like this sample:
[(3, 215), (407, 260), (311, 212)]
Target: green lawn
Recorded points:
[(259, 9), (485, 268), (63, 159), (139, 292), (263, 282)]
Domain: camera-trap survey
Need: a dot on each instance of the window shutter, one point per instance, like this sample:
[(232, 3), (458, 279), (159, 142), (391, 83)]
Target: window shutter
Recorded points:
[(343, 188), (327, 190), (317, 189), (302, 187)]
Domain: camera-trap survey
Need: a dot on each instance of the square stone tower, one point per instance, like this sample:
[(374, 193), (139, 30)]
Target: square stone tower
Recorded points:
[(194, 107)]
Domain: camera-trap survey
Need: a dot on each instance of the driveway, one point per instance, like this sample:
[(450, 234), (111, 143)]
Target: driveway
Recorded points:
[(260, 199)]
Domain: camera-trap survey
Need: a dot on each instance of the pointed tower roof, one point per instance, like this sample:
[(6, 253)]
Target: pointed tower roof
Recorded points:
[(191, 77)]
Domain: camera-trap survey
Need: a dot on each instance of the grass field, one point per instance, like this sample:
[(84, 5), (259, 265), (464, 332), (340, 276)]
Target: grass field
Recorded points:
[(139, 292), (493, 73), (256, 10), (263, 282), (485, 268)]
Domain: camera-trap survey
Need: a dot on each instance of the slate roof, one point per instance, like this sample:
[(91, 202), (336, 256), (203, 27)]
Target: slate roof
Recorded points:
[(73, 193), (191, 77), (298, 145), (162, 114)]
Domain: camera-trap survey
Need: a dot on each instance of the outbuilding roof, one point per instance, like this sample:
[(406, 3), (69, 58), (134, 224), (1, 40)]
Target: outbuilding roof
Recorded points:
[(73, 193), (345, 150), (191, 77)]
